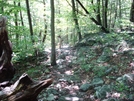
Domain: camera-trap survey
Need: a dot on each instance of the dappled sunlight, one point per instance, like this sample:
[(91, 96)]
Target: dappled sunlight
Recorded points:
[(69, 72), (72, 98)]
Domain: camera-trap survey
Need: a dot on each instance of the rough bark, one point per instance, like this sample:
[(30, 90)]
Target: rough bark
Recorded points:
[(6, 68), (76, 21), (132, 12), (53, 51), (24, 89), (30, 21)]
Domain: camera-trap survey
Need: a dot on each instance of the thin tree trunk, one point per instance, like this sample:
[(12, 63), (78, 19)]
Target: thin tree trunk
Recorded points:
[(120, 12), (30, 20), (53, 52), (2, 8), (22, 23), (98, 12), (16, 26), (76, 21), (132, 12), (104, 12), (115, 15), (45, 23)]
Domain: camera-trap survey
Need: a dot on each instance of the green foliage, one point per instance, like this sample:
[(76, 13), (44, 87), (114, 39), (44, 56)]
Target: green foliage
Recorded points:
[(33, 72), (102, 90), (121, 87), (101, 70)]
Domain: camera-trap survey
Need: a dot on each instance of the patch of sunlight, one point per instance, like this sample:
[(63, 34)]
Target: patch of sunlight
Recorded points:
[(69, 72), (72, 98)]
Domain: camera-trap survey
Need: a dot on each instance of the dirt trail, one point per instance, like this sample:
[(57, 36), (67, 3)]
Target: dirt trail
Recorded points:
[(66, 84)]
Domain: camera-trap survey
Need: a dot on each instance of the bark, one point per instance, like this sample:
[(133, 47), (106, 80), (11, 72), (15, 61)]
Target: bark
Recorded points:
[(22, 23), (45, 22), (16, 25), (105, 13), (132, 12), (24, 89), (98, 12), (6, 68), (53, 51), (30, 20), (76, 21)]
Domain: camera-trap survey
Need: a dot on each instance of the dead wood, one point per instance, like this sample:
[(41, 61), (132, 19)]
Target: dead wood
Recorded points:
[(24, 89), (6, 68)]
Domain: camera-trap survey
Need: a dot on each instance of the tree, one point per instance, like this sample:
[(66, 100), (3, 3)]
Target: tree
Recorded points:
[(132, 12), (104, 12), (45, 22), (98, 16), (53, 52), (30, 20), (16, 25), (76, 21)]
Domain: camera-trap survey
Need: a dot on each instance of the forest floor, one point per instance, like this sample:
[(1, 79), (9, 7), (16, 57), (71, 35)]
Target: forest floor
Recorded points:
[(83, 73), (66, 84)]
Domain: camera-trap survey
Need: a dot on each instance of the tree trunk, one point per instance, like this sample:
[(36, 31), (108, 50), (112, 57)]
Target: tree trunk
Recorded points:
[(132, 12), (53, 52), (104, 12), (22, 23), (30, 20), (45, 23), (2, 8), (76, 21), (16, 26), (98, 17)]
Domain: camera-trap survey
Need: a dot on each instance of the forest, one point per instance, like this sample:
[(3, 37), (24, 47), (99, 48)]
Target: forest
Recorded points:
[(66, 50)]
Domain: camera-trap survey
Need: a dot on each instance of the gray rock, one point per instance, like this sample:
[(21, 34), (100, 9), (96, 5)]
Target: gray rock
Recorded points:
[(97, 81), (129, 79), (85, 87)]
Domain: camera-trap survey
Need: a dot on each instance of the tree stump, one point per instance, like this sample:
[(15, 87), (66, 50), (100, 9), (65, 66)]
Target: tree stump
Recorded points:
[(6, 68), (24, 89)]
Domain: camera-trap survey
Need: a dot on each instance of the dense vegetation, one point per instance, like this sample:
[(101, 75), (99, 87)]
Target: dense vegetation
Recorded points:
[(91, 41)]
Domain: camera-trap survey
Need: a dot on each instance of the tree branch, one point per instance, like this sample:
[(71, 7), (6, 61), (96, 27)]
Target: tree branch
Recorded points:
[(95, 21)]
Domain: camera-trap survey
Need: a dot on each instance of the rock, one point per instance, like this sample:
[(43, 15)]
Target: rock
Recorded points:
[(85, 87), (50, 97), (62, 56), (97, 81), (107, 53), (129, 79), (62, 98), (60, 61)]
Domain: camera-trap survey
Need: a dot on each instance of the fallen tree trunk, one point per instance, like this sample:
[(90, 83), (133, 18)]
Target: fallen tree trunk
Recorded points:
[(24, 89)]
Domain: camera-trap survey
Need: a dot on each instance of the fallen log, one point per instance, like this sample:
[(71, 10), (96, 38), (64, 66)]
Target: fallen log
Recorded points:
[(24, 89)]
